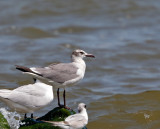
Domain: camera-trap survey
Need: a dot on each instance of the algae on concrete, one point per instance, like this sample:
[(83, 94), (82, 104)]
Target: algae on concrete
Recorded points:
[(3, 122)]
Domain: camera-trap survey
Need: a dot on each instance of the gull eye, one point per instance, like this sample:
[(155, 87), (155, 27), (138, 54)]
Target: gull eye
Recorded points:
[(81, 53), (85, 106)]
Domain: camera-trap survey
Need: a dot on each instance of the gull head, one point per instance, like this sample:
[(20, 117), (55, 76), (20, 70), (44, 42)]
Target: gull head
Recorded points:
[(81, 107), (81, 54)]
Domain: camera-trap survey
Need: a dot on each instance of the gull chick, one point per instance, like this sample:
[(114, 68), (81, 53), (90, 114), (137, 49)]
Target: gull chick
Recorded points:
[(61, 75), (76, 121), (28, 98)]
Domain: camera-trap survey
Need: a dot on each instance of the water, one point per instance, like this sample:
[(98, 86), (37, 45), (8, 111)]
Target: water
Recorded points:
[(121, 86), (13, 118)]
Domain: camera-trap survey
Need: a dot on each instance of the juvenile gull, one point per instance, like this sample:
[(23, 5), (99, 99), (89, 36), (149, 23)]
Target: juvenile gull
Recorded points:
[(28, 98), (61, 75), (76, 121)]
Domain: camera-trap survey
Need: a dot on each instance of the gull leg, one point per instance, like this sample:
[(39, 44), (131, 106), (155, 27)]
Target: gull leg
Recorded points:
[(32, 115), (25, 116), (64, 98), (58, 98)]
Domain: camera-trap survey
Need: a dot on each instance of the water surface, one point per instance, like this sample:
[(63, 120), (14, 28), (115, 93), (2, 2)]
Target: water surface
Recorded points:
[(121, 86)]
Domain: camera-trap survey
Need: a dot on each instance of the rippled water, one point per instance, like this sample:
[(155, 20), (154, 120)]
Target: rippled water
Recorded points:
[(121, 86)]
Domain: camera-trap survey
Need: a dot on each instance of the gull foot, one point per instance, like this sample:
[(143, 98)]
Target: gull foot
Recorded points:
[(63, 106)]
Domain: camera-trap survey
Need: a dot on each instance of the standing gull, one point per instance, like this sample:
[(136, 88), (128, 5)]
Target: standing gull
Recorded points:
[(76, 121), (28, 98), (61, 75)]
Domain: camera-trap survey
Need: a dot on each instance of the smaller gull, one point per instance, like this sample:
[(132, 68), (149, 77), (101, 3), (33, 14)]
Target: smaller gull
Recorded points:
[(28, 98), (76, 121), (61, 75)]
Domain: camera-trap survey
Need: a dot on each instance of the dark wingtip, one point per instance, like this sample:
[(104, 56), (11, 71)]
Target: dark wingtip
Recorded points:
[(25, 69), (18, 66), (22, 68)]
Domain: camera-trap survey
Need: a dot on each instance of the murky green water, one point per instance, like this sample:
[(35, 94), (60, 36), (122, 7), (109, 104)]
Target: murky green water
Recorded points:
[(121, 86)]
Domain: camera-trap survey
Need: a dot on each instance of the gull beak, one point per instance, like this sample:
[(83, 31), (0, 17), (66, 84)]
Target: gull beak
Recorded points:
[(90, 55)]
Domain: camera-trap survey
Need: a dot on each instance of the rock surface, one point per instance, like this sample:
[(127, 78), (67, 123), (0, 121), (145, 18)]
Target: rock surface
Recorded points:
[(57, 114)]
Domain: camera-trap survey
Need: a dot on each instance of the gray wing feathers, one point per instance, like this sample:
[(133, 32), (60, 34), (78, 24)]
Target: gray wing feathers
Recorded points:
[(58, 72)]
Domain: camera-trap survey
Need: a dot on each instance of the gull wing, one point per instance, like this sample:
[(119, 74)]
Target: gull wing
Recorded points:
[(77, 121), (28, 95), (59, 73)]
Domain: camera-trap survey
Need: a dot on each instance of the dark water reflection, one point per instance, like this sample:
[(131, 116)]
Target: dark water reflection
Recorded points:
[(121, 86)]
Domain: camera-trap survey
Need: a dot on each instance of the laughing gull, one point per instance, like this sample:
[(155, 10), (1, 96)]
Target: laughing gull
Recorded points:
[(61, 75), (76, 121), (28, 98)]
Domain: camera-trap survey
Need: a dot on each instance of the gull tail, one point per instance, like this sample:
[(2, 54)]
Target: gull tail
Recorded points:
[(59, 124), (26, 70)]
